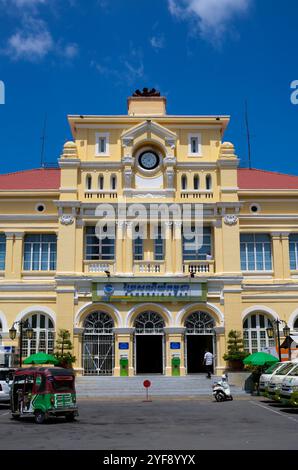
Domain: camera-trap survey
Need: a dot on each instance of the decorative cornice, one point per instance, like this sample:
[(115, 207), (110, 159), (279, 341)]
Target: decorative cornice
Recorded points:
[(67, 219)]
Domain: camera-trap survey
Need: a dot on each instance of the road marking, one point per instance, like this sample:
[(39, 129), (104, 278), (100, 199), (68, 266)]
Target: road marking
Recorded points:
[(274, 411)]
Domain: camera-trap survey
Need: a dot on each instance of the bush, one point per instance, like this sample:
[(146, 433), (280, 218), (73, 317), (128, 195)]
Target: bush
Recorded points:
[(63, 350), (235, 347)]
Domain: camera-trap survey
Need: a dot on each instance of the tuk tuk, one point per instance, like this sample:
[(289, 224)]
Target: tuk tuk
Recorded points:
[(43, 392)]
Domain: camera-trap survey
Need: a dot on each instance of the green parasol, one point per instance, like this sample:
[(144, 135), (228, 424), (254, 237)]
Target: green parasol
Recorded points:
[(260, 359), (41, 358)]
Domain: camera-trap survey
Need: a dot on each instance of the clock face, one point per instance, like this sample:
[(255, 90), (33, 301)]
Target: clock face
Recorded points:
[(148, 160)]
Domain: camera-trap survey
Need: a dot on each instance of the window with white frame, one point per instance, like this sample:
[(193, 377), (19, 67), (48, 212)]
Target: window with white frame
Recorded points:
[(138, 249), (255, 252), (194, 145), (255, 337), (96, 248), (293, 246), (102, 143), (159, 245), (192, 252), (43, 335), (40, 252), (2, 251)]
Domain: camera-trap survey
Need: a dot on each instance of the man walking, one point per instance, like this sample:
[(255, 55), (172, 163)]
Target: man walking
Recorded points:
[(208, 361)]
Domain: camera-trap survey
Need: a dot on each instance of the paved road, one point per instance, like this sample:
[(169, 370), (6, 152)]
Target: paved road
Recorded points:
[(246, 423)]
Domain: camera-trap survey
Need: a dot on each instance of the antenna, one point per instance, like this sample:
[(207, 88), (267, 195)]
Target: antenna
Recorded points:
[(248, 135), (43, 139)]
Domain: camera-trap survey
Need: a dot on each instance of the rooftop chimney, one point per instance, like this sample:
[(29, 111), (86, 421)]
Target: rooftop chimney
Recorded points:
[(146, 103)]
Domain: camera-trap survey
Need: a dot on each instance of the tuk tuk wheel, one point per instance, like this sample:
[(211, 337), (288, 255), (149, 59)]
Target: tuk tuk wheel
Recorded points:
[(39, 417), (70, 417)]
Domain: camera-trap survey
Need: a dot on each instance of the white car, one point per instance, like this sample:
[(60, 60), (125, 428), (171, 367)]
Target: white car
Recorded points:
[(289, 388), (265, 378), (275, 383), (6, 377)]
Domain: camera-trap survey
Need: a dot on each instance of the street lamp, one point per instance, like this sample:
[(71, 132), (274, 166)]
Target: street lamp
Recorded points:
[(28, 332), (271, 332)]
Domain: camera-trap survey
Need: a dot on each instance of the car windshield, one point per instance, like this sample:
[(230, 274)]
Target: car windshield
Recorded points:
[(294, 372), (272, 368), (284, 370)]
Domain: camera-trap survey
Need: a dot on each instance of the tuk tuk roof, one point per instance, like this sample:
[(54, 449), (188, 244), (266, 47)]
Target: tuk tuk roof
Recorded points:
[(54, 371)]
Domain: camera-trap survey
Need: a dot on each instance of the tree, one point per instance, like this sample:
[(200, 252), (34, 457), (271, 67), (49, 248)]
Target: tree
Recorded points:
[(235, 347), (63, 349)]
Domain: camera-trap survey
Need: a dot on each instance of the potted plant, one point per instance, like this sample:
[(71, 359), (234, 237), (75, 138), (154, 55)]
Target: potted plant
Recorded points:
[(235, 354), (63, 350)]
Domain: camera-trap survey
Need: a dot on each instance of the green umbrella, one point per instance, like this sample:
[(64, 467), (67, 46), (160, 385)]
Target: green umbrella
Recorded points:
[(260, 359), (41, 358)]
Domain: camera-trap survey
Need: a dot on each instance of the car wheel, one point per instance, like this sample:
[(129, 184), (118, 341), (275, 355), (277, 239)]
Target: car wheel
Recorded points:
[(39, 417)]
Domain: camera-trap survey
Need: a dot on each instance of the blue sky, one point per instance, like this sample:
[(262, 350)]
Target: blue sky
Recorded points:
[(207, 56)]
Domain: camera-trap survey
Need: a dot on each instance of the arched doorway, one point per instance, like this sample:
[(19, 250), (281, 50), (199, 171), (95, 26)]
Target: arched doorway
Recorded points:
[(149, 343), (199, 336), (43, 335), (98, 344)]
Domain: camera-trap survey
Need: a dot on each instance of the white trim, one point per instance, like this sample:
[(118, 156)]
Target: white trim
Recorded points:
[(259, 309), (106, 136), (199, 152), (201, 306), (149, 306), (4, 323), (96, 306), (37, 309)]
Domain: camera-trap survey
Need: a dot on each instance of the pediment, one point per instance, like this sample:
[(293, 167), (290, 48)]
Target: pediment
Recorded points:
[(148, 126)]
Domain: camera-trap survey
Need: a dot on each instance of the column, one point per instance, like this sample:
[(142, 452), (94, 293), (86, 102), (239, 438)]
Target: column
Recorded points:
[(77, 349), (217, 237), (128, 249), (178, 247), (119, 246), (286, 255), (14, 255), (277, 253), (124, 349), (168, 250), (220, 364), (174, 337)]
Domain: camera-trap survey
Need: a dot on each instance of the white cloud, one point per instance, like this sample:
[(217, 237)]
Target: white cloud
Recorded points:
[(212, 17), (157, 42)]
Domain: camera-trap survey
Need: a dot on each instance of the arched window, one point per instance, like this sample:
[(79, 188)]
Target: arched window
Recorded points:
[(149, 323), (296, 324), (208, 182), (183, 182), (98, 323), (98, 344), (199, 323), (113, 182), (43, 335), (88, 182), (196, 182), (100, 182), (254, 333)]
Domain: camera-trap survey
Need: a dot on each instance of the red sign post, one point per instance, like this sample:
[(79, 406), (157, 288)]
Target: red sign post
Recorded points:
[(147, 385)]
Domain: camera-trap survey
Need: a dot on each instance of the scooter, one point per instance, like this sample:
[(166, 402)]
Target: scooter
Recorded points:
[(221, 390)]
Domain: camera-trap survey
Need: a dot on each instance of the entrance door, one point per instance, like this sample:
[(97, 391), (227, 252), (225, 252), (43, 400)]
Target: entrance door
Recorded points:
[(196, 346), (149, 354)]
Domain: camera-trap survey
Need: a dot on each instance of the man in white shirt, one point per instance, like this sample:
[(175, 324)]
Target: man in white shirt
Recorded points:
[(208, 361)]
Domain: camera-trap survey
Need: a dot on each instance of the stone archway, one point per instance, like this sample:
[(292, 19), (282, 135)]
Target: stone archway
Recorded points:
[(149, 343)]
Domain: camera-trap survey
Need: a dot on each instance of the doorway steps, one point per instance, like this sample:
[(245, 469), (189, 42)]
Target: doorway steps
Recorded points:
[(121, 387)]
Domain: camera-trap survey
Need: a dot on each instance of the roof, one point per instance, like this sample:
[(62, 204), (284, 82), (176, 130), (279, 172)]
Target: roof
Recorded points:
[(49, 178), (37, 179), (261, 179)]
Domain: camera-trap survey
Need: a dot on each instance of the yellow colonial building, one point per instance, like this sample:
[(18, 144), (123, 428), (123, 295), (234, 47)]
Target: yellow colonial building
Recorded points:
[(100, 247)]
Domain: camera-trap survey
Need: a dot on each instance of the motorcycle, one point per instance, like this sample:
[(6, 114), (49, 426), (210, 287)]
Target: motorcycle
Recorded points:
[(221, 390)]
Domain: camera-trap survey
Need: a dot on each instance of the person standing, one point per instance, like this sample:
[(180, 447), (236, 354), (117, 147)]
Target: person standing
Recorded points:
[(208, 361)]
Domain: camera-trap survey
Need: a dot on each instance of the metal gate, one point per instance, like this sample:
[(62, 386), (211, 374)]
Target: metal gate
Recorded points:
[(98, 345)]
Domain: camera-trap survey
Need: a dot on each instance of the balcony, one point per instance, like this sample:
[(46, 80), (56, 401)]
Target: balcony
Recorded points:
[(149, 267), (198, 267), (97, 267), (101, 194), (196, 194)]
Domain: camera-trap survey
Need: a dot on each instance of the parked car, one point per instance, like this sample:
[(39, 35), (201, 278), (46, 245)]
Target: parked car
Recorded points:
[(266, 376), (6, 378), (289, 388), (275, 383)]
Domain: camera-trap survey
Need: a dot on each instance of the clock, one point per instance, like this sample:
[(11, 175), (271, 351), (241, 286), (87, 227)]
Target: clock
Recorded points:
[(148, 160)]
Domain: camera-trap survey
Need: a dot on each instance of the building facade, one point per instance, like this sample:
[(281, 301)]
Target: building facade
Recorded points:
[(140, 300)]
